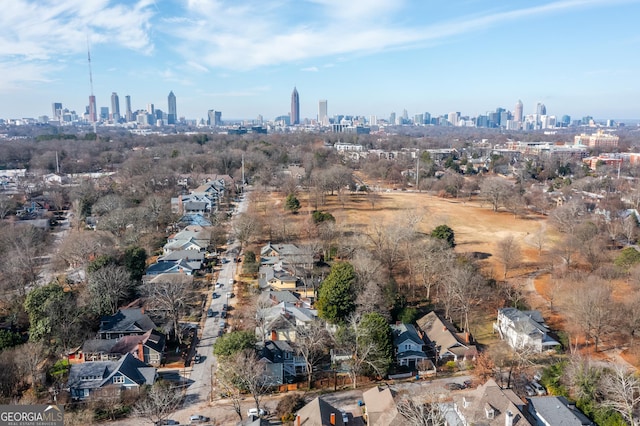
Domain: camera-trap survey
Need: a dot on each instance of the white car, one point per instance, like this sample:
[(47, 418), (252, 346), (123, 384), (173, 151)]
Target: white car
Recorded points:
[(345, 417), (256, 412)]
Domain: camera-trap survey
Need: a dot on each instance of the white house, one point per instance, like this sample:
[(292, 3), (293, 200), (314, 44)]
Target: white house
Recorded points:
[(524, 329)]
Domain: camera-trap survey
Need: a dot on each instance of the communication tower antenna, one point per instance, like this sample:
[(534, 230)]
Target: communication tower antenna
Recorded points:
[(92, 99)]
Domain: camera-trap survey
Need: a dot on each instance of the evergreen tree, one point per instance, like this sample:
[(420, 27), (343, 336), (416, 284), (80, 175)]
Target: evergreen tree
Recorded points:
[(443, 232), (336, 297), (292, 203)]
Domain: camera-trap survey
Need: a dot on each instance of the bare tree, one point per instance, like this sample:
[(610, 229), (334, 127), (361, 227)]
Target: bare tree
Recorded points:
[(568, 216), (495, 190), (171, 297), (621, 388), (592, 307), (227, 381), (311, 342), (371, 299), (421, 412), (540, 238), (159, 403), (466, 285), (436, 258), (508, 253), (245, 228), (7, 204), (109, 286)]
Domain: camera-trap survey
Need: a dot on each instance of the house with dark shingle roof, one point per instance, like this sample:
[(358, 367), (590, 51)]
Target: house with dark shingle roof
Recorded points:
[(125, 322), (148, 347), (126, 373), (408, 345)]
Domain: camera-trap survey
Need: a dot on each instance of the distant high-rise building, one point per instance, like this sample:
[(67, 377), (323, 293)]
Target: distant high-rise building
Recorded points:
[(453, 118), (115, 107), (541, 109), (104, 113), (418, 119), (214, 118), (56, 108), (392, 118), (172, 115), (295, 107), (427, 118), (518, 112), (129, 113), (93, 111), (151, 109), (323, 117)]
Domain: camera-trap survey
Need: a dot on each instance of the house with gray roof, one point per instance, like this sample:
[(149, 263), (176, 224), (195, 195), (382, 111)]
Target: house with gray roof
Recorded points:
[(524, 329), (126, 373), (125, 322), (279, 322), (556, 411), (408, 345), (490, 405)]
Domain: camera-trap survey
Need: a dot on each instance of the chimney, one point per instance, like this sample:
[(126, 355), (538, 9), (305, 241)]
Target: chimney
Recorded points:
[(333, 419), (140, 351), (274, 335), (444, 328), (467, 337), (297, 420), (508, 418)]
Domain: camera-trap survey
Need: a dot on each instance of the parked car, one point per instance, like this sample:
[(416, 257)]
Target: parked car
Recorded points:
[(454, 386), (467, 383), (210, 313), (529, 390), (224, 307), (223, 314), (197, 418), (231, 281), (215, 295), (219, 285), (230, 294), (167, 422), (540, 390), (345, 417), (256, 412), (220, 332), (537, 377), (197, 358), (224, 260)]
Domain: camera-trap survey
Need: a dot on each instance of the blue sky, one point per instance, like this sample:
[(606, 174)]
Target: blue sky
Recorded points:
[(366, 57)]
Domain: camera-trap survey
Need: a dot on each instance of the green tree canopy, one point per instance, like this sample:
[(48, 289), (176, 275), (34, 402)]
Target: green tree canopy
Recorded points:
[(39, 304), (627, 258), (9, 339), (336, 298), (135, 260), (292, 203), (377, 332), (234, 342), (443, 232), (319, 217)]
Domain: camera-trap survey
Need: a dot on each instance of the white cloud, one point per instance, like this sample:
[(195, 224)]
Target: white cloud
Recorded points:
[(246, 34), (310, 69)]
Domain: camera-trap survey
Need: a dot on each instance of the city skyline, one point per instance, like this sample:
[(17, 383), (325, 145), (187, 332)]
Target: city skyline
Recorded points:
[(367, 58)]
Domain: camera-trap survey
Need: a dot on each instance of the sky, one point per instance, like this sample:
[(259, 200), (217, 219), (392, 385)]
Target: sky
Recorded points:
[(365, 57)]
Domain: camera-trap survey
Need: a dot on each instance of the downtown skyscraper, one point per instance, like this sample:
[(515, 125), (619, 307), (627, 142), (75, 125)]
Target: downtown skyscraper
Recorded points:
[(115, 107), (323, 117), (172, 115), (295, 108)]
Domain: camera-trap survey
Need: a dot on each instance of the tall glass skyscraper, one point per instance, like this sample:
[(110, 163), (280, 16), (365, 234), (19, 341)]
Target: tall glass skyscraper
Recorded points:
[(115, 107), (129, 116), (172, 115), (323, 118), (518, 112), (295, 107)]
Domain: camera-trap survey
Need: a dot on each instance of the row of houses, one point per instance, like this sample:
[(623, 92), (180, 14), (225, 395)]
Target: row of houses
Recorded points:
[(487, 405), (124, 355)]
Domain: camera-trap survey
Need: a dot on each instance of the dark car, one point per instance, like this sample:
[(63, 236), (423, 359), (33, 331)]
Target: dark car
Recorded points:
[(210, 313), (215, 295), (223, 314), (224, 307), (454, 386), (197, 358)]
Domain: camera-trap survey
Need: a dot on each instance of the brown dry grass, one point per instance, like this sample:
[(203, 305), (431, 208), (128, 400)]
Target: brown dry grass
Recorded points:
[(477, 229)]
